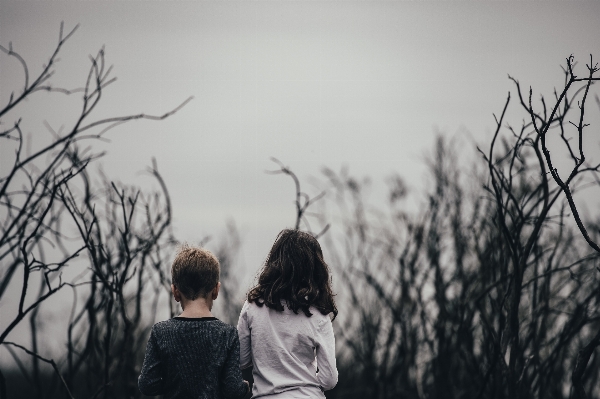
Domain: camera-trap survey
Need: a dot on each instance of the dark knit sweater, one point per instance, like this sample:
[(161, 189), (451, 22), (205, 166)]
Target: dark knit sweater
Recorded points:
[(192, 358)]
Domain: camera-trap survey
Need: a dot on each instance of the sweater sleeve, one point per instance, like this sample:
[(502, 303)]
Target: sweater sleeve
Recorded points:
[(245, 340), (232, 384), (325, 340), (151, 381)]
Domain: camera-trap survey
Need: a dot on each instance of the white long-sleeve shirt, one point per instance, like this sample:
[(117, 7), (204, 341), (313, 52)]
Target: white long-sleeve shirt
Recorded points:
[(284, 348)]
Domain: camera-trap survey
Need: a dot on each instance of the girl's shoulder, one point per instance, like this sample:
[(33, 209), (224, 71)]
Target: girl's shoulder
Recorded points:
[(248, 306), (318, 319)]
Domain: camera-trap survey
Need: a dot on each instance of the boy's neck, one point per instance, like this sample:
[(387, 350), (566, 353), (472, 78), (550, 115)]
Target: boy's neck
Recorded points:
[(197, 308)]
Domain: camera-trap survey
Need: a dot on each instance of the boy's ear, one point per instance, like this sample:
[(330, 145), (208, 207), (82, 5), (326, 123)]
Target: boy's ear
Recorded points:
[(215, 291), (176, 293)]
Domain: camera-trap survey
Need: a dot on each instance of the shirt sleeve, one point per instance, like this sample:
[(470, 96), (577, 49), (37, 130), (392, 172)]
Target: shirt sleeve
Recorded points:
[(232, 383), (151, 381), (245, 339), (325, 348)]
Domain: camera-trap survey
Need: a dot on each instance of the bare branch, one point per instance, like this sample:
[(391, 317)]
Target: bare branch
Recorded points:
[(49, 361)]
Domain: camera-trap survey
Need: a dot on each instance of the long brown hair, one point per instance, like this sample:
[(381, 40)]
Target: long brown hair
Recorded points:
[(296, 273)]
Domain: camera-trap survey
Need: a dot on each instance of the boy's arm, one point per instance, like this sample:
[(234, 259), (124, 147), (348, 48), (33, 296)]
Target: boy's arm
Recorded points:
[(151, 381), (232, 384), (328, 374), (244, 336)]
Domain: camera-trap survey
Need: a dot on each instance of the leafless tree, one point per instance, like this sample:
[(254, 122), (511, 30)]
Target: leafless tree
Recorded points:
[(231, 297), (303, 200), (543, 124), (483, 293), (50, 218)]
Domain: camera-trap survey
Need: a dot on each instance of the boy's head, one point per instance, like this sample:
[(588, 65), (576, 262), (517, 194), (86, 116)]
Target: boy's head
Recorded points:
[(195, 272)]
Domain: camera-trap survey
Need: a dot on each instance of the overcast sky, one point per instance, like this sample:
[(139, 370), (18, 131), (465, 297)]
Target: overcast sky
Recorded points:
[(364, 84)]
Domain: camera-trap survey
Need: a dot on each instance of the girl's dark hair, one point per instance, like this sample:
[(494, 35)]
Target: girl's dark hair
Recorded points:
[(296, 273)]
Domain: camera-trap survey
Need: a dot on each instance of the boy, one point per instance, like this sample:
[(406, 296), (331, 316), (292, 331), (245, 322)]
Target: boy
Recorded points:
[(194, 355)]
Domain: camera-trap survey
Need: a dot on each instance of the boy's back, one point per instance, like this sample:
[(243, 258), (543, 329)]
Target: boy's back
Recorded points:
[(192, 358)]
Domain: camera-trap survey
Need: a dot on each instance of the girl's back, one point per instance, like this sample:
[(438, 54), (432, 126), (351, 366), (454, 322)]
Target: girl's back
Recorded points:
[(284, 347), (284, 328)]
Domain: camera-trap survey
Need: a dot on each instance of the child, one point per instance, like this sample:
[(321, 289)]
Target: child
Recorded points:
[(284, 328), (194, 355)]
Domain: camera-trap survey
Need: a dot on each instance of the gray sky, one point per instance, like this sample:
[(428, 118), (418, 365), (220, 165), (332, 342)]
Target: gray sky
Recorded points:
[(363, 84)]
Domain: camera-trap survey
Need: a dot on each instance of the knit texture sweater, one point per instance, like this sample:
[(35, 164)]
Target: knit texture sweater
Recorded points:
[(195, 358)]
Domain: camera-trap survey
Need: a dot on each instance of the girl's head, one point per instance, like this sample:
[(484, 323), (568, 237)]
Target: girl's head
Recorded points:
[(296, 273)]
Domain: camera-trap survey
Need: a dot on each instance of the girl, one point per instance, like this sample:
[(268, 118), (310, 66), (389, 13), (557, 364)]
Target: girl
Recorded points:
[(284, 328)]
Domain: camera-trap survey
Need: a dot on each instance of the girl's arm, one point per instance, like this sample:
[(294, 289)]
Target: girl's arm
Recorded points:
[(328, 374), (151, 381), (245, 340)]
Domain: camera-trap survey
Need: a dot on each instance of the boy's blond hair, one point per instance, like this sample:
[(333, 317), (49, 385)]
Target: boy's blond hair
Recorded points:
[(195, 271)]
